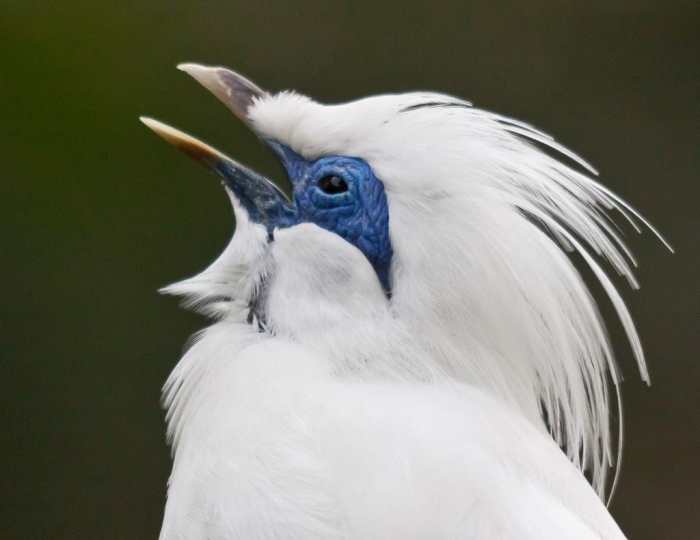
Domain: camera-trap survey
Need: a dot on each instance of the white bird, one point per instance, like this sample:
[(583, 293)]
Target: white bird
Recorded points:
[(404, 350)]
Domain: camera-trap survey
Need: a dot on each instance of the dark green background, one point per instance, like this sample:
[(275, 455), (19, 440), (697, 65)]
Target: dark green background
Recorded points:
[(97, 213)]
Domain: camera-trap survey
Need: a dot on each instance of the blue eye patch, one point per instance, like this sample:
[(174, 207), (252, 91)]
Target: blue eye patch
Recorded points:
[(341, 194)]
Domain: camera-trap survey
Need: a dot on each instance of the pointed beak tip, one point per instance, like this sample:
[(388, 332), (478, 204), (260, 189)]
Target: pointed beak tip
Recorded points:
[(186, 66), (205, 75), (231, 88), (181, 140), (146, 121), (159, 128)]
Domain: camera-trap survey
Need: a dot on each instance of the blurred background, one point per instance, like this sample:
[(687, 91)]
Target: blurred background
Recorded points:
[(97, 213)]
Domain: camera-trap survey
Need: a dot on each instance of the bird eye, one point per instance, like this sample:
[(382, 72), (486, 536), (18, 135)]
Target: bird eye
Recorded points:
[(332, 184)]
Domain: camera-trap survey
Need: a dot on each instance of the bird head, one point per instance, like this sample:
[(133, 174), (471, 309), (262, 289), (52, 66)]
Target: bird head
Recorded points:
[(420, 215), (334, 191)]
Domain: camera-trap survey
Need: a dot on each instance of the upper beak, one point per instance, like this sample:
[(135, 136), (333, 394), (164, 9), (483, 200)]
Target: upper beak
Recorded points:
[(263, 200)]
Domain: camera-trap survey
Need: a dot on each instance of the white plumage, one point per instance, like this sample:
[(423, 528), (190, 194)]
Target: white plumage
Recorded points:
[(348, 414)]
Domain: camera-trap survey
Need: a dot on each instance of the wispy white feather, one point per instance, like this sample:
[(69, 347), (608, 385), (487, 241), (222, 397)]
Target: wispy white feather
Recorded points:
[(484, 252), (482, 222)]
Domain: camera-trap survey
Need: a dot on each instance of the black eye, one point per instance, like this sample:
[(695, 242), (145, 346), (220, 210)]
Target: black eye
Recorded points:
[(332, 184)]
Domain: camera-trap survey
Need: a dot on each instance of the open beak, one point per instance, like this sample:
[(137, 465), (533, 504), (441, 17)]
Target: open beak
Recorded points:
[(265, 203)]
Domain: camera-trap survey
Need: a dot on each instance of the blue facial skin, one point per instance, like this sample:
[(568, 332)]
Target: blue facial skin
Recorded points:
[(359, 214)]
